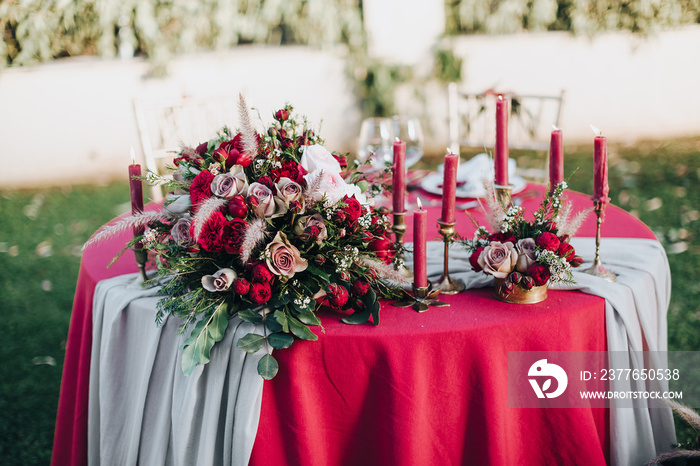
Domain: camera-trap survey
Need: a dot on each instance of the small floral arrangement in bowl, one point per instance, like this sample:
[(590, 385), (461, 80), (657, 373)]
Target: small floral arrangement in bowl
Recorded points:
[(268, 227), (525, 255)]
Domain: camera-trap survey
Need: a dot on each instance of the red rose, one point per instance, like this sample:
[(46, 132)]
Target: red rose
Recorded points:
[(233, 234), (507, 287), (281, 115), (548, 241), (382, 248), (539, 273), (342, 161), (337, 296), (241, 286), (320, 259), (474, 259), (237, 207), (564, 238), (344, 276), (200, 189), (372, 274), (211, 238), (515, 277), (576, 261), (503, 237), (360, 287), (290, 169), (260, 293), (261, 274), (566, 251), (353, 208), (202, 148), (527, 282), (267, 181), (340, 216)]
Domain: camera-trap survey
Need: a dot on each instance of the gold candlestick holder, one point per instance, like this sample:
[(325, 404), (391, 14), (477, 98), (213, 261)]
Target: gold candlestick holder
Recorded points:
[(445, 283), (503, 192), (597, 268), (141, 259), (422, 298), (399, 228)]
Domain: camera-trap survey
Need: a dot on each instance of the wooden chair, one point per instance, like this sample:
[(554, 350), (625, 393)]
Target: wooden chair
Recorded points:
[(472, 120), (167, 124)]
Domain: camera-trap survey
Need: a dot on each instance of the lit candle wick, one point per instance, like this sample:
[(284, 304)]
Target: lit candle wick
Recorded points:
[(420, 204), (596, 130), (133, 156)]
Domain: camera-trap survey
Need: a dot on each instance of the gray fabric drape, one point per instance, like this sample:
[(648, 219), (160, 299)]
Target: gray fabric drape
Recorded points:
[(143, 410)]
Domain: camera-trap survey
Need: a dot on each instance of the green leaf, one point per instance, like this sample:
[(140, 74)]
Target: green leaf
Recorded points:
[(281, 318), (371, 303), (301, 330), (280, 340), (219, 322), (358, 317), (308, 317), (195, 333), (278, 301), (273, 325), (249, 315), (312, 269), (268, 367), (251, 343), (203, 347), (188, 362)]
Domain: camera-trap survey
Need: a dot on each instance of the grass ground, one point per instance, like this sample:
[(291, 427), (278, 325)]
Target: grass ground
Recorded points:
[(41, 232)]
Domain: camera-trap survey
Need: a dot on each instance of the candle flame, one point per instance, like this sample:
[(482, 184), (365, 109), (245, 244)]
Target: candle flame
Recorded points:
[(555, 128), (449, 151), (420, 204), (500, 96), (397, 139), (133, 156), (596, 130)]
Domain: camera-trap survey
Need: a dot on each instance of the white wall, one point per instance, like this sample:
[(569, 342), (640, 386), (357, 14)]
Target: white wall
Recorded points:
[(72, 120)]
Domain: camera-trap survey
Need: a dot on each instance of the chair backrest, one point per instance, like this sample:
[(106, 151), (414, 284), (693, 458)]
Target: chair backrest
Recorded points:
[(472, 119), (167, 124)]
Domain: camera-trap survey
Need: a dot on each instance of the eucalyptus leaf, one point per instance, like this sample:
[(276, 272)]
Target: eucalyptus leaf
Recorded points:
[(250, 315), (268, 367), (280, 340), (203, 347), (301, 330), (358, 317), (251, 343), (188, 360), (219, 322)]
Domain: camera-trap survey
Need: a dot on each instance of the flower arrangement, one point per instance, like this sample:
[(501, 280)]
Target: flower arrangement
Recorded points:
[(268, 227), (523, 253)]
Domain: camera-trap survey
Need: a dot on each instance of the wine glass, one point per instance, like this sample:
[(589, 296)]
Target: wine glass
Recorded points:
[(408, 129), (375, 138)]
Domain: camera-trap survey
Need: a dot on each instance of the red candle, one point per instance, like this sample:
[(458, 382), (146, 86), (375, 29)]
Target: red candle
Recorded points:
[(501, 149), (136, 190), (399, 179), (556, 159), (420, 238), (449, 187), (600, 170)]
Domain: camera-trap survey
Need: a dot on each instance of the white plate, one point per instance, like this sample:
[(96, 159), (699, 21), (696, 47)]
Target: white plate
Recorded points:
[(433, 184)]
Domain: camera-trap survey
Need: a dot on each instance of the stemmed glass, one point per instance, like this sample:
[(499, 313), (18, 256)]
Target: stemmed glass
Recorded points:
[(408, 129), (376, 138)]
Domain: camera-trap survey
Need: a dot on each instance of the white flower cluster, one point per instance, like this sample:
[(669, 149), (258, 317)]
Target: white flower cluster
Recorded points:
[(345, 259), (365, 221), (214, 168), (559, 268), (303, 301), (150, 239)]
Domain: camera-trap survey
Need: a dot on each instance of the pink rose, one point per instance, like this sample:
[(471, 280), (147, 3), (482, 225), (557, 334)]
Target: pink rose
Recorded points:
[(498, 259), (263, 200), (317, 157), (332, 185), (311, 226), (526, 254), (288, 191), (219, 281), (181, 232), (283, 258), (229, 185)]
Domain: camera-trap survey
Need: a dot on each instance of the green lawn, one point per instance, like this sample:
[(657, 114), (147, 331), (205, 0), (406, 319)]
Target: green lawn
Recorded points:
[(41, 232)]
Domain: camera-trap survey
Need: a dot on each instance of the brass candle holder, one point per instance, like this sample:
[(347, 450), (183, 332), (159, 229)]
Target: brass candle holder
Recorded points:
[(399, 228), (422, 298), (597, 268), (141, 259), (503, 194), (445, 283)]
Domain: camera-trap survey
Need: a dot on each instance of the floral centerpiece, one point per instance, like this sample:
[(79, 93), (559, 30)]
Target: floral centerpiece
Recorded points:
[(525, 255), (268, 227)]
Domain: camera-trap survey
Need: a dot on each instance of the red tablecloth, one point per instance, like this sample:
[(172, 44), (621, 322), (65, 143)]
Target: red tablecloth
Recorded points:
[(419, 389)]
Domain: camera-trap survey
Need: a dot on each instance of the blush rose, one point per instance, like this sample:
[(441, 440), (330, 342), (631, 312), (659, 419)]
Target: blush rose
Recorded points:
[(283, 258), (498, 259)]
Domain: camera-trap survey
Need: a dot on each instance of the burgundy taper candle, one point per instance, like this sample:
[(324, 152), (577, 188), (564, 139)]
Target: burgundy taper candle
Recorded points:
[(449, 188), (399, 177), (136, 191), (600, 169), (501, 148), (556, 159), (420, 238)]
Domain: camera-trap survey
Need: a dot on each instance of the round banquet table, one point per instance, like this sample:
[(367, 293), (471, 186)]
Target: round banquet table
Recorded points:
[(421, 388)]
